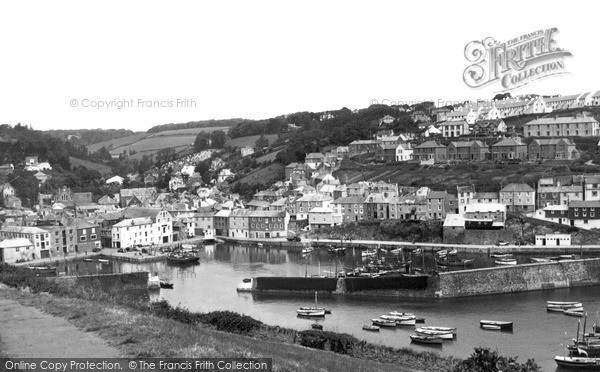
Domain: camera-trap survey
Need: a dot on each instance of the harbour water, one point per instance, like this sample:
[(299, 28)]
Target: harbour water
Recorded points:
[(211, 285)]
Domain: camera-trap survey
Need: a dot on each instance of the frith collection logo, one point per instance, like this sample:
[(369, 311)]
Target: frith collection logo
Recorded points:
[(516, 62)]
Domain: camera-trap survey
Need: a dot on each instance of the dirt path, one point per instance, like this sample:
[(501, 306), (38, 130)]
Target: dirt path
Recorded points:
[(27, 332)]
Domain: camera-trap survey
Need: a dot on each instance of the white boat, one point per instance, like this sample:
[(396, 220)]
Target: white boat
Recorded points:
[(369, 253), (307, 250), (442, 253), (559, 306), (442, 329), (501, 255), (398, 313), (539, 259), (245, 285), (404, 320), (505, 326), (102, 260), (383, 322), (491, 327), (578, 363), (310, 312), (576, 313), (453, 252), (396, 251), (445, 335), (505, 261), (154, 282)]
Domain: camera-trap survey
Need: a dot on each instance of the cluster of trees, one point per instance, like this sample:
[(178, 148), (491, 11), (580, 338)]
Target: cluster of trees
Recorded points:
[(213, 140), (256, 127), (196, 124), (89, 136)]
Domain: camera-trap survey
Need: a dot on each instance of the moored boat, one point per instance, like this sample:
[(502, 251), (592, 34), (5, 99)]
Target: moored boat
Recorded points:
[(154, 282), (369, 253), (310, 312), (104, 261), (87, 259), (316, 326), (442, 329), (432, 340), (182, 258), (463, 262), (245, 285), (505, 326), (505, 261), (442, 253), (399, 313), (166, 285), (444, 335), (574, 312), (558, 306), (307, 250), (540, 259), (490, 327), (501, 255), (383, 322), (369, 327), (578, 363)]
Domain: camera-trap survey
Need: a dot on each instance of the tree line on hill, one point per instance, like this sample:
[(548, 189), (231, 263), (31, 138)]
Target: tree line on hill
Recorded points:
[(196, 124)]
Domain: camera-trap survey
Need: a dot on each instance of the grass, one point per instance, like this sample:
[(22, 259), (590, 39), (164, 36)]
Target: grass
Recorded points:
[(249, 140), (265, 176), (102, 169), (136, 334), (116, 142)]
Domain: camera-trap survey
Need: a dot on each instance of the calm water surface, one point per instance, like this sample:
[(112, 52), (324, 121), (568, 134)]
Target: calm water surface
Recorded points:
[(211, 285)]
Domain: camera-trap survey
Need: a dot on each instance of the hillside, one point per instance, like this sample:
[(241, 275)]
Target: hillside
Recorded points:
[(104, 170), (485, 176)]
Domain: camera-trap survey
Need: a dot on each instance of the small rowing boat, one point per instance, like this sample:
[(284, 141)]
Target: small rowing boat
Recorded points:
[(384, 322), (576, 312), (444, 335), (490, 327), (505, 261), (316, 326), (442, 329), (504, 326), (372, 328), (560, 306), (431, 340), (501, 255)]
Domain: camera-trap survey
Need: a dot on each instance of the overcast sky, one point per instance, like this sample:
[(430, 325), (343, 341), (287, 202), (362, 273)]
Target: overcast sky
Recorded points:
[(259, 59)]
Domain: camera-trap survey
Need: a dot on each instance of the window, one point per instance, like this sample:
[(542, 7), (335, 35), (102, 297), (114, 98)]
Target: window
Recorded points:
[(83, 238)]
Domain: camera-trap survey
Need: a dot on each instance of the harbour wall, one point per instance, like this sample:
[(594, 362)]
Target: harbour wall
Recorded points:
[(519, 278), (109, 283), (464, 283)]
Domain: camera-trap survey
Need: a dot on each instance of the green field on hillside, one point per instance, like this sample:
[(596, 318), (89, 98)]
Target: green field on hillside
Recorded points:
[(102, 169), (249, 140)]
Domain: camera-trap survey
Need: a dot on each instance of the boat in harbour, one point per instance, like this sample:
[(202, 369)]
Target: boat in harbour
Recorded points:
[(182, 258), (501, 255), (383, 322), (307, 250), (540, 259), (576, 312), (166, 285), (444, 335), (316, 326), (505, 261), (369, 327), (431, 340), (504, 326), (462, 262), (369, 253), (441, 329), (104, 261), (560, 306), (578, 363), (490, 327), (245, 285), (154, 282), (312, 311), (405, 320)]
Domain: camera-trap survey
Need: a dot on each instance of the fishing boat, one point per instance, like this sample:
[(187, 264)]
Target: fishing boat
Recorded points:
[(504, 326), (540, 259), (396, 251), (567, 257), (337, 250), (104, 261), (383, 322), (505, 261), (432, 340), (578, 363), (316, 326), (405, 320), (182, 258), (87, 259), (369, 327), (501, 255), (444, 335), (462, 262), (417, 251), (441, 329), (312, 311)]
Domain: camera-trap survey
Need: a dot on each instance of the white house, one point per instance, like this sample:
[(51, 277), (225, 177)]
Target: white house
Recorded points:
[(404, 152), (324, 216), (17, 250), (553, 240), (224, 174), (143, 231), (115, 179)]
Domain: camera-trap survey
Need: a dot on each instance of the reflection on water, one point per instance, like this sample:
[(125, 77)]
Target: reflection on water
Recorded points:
[(211, 285)]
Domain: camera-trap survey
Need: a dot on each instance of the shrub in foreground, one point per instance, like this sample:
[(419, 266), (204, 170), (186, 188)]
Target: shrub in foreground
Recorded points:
[(484, 360)]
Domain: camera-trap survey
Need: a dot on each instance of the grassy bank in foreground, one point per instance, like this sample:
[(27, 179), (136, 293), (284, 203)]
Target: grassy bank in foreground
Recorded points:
[(141, 329)]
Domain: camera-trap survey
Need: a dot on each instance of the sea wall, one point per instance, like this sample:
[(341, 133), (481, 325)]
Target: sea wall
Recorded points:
[(479, 237), (109, 283), (530, 277)]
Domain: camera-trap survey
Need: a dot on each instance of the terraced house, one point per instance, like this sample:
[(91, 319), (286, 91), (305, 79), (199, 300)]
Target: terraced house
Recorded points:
[(430, 151), (509, 148), (351, 208), (268, 224), (39, 237), (467, 150), (579, 125), (519, 197), (556, 149)]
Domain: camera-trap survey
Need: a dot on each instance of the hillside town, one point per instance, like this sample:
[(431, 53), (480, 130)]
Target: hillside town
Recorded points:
[(311, 196)]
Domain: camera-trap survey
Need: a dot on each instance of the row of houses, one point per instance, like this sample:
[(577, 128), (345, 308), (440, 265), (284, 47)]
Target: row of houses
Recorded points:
[(505, 149)]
